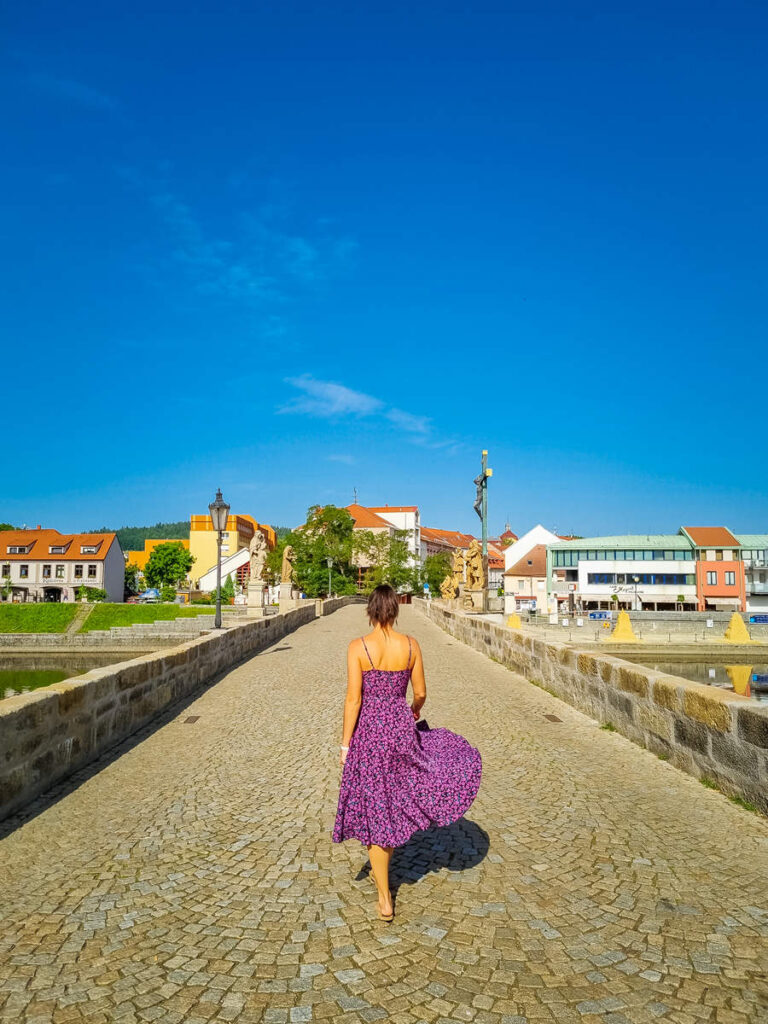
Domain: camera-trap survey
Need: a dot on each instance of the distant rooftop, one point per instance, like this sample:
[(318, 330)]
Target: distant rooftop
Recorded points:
[(625, 540)]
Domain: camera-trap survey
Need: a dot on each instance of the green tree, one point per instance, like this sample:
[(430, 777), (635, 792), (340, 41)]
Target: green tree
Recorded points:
[(6, 526), (327, 533), (434, 571), (168, 565), (387, 557), (228, 589), (132, 578)]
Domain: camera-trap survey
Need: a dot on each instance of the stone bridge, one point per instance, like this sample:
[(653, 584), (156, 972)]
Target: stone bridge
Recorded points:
[(189, 876)]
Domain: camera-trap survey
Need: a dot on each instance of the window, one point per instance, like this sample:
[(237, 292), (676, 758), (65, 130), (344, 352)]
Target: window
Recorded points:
[(718, 555), (711, 579), (46, 572), (17, 549), (225, 534), (57, 549), (89, 549), (730, 579), (24, 571), (520, 584), (6, 569), (59, 572), (78, 572), (91, 572)]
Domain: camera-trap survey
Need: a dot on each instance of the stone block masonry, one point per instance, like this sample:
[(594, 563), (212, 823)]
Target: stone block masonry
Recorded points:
[(48, 734), (709, 733)]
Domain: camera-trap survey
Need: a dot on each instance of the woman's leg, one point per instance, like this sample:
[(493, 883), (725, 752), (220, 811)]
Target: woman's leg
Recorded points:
[(380, 857)]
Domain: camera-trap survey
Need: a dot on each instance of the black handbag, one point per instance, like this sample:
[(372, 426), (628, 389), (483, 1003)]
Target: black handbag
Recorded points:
[(422, 725)]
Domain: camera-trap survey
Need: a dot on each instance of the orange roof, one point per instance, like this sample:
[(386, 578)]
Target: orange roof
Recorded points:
[(366, 519), (450, 537), (532, 564), (40, 542), (393, 508), (711, 537)]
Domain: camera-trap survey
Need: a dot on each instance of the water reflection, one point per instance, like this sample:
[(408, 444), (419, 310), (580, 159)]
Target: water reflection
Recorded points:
[(747, 680)]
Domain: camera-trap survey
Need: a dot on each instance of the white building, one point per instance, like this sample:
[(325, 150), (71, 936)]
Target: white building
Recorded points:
[(638, 572), (45, 565), (754, 554), (403, 517)]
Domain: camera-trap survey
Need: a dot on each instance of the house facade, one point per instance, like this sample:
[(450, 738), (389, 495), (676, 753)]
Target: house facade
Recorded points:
[(754, 556), (45, 565), (525, 582)]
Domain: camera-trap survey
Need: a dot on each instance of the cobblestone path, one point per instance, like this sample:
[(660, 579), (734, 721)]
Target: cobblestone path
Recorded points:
[(193, 878)]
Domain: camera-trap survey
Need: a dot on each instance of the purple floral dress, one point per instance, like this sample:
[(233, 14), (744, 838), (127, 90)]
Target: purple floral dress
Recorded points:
[(399, 778)]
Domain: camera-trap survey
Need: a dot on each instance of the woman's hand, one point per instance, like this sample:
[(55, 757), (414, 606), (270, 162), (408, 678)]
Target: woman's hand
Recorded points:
[(416, 712), (343, 756)]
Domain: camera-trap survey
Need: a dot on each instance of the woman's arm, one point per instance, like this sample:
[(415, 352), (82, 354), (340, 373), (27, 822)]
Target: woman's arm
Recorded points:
[(354, 697), (417, 681)]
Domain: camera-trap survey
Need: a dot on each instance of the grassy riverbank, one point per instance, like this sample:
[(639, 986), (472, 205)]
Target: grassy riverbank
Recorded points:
[(36, 618), (57, 618)]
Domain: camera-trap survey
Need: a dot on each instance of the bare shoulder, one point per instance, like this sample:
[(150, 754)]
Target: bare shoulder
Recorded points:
[(355, 646)]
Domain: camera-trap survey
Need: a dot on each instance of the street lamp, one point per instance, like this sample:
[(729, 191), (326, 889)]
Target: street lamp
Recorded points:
[(219, 510), (329, 563), (637, 600)]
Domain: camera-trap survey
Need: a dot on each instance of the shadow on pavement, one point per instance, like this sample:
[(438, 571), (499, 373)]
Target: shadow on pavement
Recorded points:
[(455, 847)]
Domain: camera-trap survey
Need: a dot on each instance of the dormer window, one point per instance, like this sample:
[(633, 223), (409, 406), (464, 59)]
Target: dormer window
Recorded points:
[(57, 549), (18, 549), (89, 549)]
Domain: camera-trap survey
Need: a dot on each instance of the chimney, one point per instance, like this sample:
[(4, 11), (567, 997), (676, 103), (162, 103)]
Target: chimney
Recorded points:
[(39, 526)]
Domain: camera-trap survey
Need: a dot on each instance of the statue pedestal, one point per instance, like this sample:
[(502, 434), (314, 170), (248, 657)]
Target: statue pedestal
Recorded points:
[(288, 600), (255, 600)]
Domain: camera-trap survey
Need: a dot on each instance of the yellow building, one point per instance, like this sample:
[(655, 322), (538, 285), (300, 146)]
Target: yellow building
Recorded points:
[(141, 558), (238, 534)]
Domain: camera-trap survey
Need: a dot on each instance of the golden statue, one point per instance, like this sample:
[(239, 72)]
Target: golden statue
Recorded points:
[(474, 562)]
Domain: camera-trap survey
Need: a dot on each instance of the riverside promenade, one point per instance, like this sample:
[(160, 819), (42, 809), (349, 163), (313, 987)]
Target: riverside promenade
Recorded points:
[(190, 876)]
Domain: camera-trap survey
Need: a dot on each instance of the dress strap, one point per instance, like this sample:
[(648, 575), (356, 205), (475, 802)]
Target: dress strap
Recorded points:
[(368, 653)]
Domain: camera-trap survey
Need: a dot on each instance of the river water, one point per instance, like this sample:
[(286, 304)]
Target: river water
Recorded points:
[(21, 673)]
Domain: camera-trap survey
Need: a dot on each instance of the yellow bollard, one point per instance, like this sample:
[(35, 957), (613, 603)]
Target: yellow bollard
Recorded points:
[(740, 676), (513, 621), (623, 633), (737, 632)]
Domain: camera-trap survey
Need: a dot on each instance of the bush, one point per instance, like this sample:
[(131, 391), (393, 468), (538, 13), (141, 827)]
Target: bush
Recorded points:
[(168, 593)]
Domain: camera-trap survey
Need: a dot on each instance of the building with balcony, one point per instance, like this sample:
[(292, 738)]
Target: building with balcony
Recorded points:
[(45, 565), (754, 556)]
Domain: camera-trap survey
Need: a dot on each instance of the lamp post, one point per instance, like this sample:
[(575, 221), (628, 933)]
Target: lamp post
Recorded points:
[(219, 510), (637, 600), (329, 563)]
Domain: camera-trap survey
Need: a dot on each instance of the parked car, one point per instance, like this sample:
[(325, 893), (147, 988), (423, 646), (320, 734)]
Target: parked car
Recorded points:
[(149, 596)]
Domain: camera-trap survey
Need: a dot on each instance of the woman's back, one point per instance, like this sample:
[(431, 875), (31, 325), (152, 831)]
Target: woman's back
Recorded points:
[(386, 651)]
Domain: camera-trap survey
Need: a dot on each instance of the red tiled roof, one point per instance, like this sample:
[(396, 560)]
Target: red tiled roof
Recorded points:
[(450, 537), (366, 519), (711, 537), (537, 557), (41, 541)]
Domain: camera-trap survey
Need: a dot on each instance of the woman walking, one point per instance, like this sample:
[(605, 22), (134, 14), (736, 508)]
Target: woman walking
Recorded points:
[(398, 777)]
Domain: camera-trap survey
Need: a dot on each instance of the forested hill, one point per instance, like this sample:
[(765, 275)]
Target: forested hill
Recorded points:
[(132, 537)]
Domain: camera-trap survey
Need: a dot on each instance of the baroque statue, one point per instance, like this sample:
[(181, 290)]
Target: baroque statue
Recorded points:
[(258, 551), (474, 562), (286, 574)]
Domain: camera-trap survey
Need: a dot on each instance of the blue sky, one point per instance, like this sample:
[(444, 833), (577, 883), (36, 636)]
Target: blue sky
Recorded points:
[(291, 249)]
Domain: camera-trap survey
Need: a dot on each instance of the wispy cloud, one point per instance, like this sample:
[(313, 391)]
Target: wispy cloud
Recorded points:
[(253, 258), (69, 89), (330, 400), (327, 400)]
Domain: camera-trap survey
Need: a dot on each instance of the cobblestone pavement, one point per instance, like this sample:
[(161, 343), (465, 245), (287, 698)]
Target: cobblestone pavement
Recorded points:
[(193, 878)]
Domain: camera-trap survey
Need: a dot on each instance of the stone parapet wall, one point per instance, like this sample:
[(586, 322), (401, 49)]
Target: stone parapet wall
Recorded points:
[(708, 732), (334, 603), (47, 734)]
